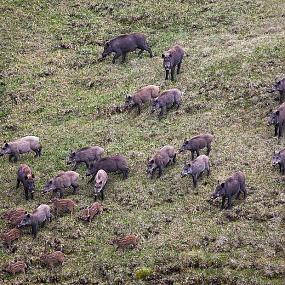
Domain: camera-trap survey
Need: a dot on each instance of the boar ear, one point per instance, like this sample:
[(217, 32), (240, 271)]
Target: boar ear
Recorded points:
[(28, 215), (26, 212), (163, 55), (33, 176), (26, 177), (6, 144), (277, 112), (222, 185), (170, 55), (270, 111), (107, 44)]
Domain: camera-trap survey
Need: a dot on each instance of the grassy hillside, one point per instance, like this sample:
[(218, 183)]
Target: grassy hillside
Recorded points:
[(53, 87)]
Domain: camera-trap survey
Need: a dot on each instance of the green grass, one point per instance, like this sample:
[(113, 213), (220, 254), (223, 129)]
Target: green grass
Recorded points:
[(236, 51)]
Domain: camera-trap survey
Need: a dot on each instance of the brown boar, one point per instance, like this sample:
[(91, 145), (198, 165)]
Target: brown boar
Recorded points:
[(14, 216), (27, 178), (100, 182), (52, 259), (11, 236), (16, 267), (160, 160), (127, 241), (142, 96), (62, 205), (89, 213), (277, 118)]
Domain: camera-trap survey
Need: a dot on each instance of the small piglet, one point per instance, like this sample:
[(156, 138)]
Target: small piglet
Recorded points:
[(100, 182), (10, 236), (277, 118), (160, 160), (172, 58), (62, 205), (166, 100), (27, 178), (52, 259), (279, 158), (196, 168), (16, 267), (89, 213), (233, 186), (14, 216), (20, 146), (279, 86), (127, 241), (123, 44)]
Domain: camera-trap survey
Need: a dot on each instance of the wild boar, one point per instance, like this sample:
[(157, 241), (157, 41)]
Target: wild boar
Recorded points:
[(20, 146), (10, 236), (115, 163), (196, 168), (89, 213), (27, 178), (52, 259), (197, 143), (277, 118), (123, 44), (172, 58), (127, 241), (166, 100), (279, 86), (85, 155), (100, 182), (160, 160), (14, 216), (142, 96), (279, 158), (37, 218), (234, 185), (61, 205), (16, 267), (62, 181)]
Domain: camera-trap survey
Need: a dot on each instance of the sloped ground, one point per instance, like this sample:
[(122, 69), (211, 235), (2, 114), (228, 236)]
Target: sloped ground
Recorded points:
[(53, 87)]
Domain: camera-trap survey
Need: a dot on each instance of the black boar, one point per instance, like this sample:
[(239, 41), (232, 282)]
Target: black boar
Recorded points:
[(16, 267), (166, 100), (277, 118), (62, 181), (37, 218), (172, 58), (196, 168), (61, 205), (100, 182), (52, 259), (142, 96), (27, 178), (280, 87), (89, 213), (20, 146), (85, 155), (279, 158), (161, 159), (234, 185), (116, 163), (197, 143), (123, 44)]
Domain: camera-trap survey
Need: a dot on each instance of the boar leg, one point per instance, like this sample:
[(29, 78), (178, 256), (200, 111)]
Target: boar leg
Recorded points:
[(139, 109), (178, 67), (194, 178), (125, 173), (34, 230), (192, 154), (172, 73), (162, 111), (275, 130), (75, 187), (102, 195), (208, 149), (159, 171), (124, 55), (26, 194), (60, 193), (18, 183), (117, 55), (223, 202), (174, 158), (141, 51), (10, 157), (166, 74), (197, 152), (229, 202)]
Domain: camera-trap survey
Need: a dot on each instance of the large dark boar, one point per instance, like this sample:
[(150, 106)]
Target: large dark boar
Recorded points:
[(27, 178), (279, 86), (196, 168), (63, 180), (234, 185), (161, 159), (85, 155), (279, 158), (123, 44), (38, 217), (172, 58), (277, 118), (197, 143), (166, 100), (142, 96), (100, 182), (116, 163), (20, 146)]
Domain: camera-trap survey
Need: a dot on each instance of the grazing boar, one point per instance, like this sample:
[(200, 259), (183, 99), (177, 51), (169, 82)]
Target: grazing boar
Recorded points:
[(89, 213), (280, 87), (52, 259), (16, 267), (116, 163), (62, 181), (85, 155), (37, 218), (142, 96), (123, 44), (20, 146), (279, 158), (197, 143), (100, 182), (172, 58), (61, 205), (234, 185), (14, 216), (127, 241), (166, 100), (27, 178), (10, 236), (277, 118), (160, 160), (196, 168)]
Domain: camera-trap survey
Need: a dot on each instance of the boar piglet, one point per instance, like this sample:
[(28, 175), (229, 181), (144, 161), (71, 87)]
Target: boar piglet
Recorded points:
[(20, 146), (116, 163), (27, 178), (62, 205), (277, 118), (279, 158), (160, 160), (100, 182), (63, 180), (172, 58), (196, 168), (89, 213), (10, 236), (16, 267), (233, 186), (197, 143), (37, 218), (85, 155), (279, 86), (52, 259), (142, 96), (127, 241), (123, 44), (166, 100)]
